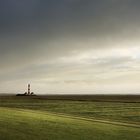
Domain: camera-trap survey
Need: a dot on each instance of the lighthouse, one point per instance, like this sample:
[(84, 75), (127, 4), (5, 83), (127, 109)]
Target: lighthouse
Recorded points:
[(28, 89), (28, 93)]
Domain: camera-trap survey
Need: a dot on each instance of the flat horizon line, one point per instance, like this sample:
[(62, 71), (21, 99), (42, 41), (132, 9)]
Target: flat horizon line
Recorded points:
[(76, 94)]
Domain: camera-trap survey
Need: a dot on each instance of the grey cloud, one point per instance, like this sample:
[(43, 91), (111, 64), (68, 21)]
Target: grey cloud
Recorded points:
[(37, 32)]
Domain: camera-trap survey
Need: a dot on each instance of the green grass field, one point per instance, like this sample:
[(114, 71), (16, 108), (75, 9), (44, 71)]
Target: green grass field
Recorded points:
[(40, 119)]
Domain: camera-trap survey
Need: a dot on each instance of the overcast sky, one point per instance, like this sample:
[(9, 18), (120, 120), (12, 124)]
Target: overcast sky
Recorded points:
[(70, 46)]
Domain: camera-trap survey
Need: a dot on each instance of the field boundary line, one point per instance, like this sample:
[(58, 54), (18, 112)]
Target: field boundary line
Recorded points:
[(95, 120)]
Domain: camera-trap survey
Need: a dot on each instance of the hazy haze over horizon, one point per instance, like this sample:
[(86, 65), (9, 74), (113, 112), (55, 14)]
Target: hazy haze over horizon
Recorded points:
[(70, 46)]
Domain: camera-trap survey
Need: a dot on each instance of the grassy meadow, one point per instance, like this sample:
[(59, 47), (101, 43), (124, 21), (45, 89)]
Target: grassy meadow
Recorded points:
[(25, 118)]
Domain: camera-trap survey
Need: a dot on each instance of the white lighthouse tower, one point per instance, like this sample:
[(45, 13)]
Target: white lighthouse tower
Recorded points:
[(29, 93), (28, 89)]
